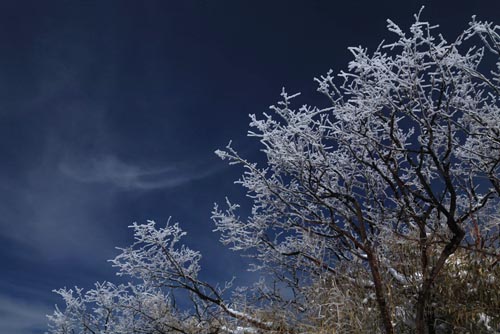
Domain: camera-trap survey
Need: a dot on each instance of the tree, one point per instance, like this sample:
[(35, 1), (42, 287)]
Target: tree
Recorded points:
[(371, 215)]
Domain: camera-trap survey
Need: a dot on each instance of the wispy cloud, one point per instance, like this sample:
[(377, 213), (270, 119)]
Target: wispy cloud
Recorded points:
[(18, 316), (110, 170)]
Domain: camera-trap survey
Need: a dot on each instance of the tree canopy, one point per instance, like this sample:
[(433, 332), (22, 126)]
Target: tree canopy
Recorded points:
[(377, 214)]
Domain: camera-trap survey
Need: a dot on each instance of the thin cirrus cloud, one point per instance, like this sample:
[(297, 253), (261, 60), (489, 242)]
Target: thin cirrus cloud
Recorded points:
[(22, 317), (49, 214), (110, 170)]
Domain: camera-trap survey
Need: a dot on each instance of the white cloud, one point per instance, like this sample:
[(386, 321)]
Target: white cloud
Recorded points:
[(69, 198), (22, 317), (109, 169)]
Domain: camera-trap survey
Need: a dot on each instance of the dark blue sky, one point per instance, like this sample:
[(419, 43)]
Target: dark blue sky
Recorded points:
[(110, 112)]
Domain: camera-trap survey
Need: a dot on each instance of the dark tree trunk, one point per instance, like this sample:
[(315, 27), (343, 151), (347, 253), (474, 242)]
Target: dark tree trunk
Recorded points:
[(420, 321), (381, 294), (425, 292), (431, 322)]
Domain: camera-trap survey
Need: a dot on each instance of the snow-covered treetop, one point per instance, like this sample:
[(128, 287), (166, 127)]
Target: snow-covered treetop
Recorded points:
[(357, 211)]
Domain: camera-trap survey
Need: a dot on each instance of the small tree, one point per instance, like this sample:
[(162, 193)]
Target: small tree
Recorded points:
[(364, 212)]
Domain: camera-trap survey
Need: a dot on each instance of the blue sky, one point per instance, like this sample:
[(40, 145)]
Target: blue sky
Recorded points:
[(110, 112)]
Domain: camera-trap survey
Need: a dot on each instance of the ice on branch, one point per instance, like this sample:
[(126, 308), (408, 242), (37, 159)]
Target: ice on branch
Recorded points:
[(377, 214)]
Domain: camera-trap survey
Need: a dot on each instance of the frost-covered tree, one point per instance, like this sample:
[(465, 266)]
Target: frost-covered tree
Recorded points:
[(408, 154), (158, 267), (379, 213)]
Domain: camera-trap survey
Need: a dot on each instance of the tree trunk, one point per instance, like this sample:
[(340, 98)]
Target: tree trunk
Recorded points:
[(420, 322), (431, 322), (425, 292), (381, 294)]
